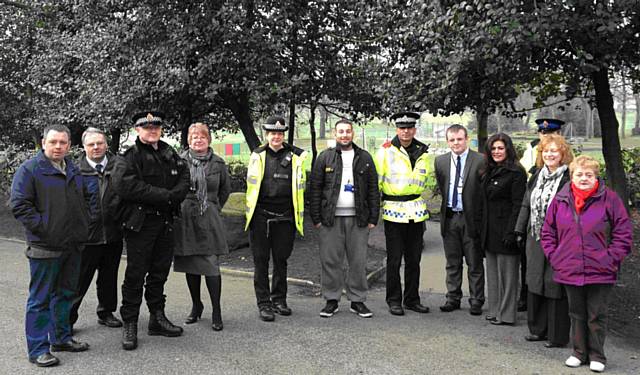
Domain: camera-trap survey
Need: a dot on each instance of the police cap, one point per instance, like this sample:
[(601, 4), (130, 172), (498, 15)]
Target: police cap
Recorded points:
[(275, 124), (152, 118), (405, 119), (546, 125)]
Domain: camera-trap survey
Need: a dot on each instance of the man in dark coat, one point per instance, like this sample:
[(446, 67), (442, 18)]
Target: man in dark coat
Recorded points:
[(152, 181), (458, 178), (345, 205), (47, 198), (103, 250)]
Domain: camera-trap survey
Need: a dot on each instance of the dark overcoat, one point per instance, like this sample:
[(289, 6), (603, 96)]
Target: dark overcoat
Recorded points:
[(204, 234), (502, 192)]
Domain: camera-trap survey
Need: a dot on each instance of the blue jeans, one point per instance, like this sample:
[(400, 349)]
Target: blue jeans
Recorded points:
[(51, 291)]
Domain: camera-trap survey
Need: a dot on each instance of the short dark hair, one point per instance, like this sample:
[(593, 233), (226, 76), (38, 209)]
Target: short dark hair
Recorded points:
[(454, 129), (57, 128), (343, 121)]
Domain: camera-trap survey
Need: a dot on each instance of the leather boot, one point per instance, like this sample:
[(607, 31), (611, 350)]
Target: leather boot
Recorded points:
[(214, 285), (130, 336), (159, 325)]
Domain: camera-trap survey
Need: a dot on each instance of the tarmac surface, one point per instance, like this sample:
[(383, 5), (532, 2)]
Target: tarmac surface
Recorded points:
[(304, 343)]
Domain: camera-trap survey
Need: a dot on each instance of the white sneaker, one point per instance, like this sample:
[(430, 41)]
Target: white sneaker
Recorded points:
[(596, 366), (573, 362)]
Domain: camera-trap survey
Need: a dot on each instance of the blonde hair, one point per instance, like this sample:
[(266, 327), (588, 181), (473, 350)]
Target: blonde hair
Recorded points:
[(563, 146), (198, 128), (585, 162)]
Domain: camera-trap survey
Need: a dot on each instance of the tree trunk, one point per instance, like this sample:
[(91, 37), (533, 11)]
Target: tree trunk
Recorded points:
[(292, 119), (323, 122), (636, 127), (624, 107), (114, 147), (482, 117), (610, 141), (185, 122), (241, 109), (312, 131)]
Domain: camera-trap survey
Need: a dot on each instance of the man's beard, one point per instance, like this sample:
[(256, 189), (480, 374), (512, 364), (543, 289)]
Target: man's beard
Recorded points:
[(345, 146)]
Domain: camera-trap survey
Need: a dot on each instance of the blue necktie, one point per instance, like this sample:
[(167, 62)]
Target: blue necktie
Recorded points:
[(454, 199), (99, 168)]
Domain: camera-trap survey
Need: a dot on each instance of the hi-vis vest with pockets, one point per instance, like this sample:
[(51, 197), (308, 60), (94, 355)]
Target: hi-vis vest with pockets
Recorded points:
[(397, 178), (255, 174)]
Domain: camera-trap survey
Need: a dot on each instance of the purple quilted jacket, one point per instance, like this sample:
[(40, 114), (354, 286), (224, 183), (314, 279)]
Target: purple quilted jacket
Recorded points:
[(586, 248)]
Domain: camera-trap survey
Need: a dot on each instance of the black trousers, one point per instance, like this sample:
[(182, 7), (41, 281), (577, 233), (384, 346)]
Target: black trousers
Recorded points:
[(278, 244), (404, 240), (149, 255), (548, 317), (105, 259), (588, 312)]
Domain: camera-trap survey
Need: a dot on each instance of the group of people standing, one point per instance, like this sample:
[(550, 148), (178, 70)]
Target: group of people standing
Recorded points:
[(566, 230)]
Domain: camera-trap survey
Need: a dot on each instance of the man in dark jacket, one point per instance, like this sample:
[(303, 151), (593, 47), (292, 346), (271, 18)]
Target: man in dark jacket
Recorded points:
[(47, 198), (458, 175), (152, 181), (345, 205), (103, 250)]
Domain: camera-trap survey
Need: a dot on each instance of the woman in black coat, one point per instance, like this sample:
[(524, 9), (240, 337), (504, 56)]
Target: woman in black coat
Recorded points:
[(503, 186)]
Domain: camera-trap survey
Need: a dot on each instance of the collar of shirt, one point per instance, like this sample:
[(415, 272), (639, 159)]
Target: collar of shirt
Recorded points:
[(93, 164), (463, 157)]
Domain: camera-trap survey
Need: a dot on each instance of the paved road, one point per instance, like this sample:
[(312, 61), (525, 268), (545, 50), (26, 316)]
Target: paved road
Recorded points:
[(435, 343)]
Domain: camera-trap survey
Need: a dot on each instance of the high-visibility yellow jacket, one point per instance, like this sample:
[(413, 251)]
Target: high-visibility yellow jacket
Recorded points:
[(398, 179), (528, 159), (255, 173)]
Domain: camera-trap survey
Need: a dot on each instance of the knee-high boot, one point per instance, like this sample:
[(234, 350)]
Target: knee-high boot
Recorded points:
[(193, 282), (214, 285)]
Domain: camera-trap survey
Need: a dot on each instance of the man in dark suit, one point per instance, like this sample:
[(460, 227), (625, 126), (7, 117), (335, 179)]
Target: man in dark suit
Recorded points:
[(457, 173)]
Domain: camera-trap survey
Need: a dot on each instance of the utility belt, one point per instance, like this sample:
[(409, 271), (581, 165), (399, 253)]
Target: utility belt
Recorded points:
[(400, 198), (274, 217)]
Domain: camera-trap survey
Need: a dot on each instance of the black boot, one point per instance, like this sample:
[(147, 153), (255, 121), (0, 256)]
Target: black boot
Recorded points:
[(130, 336), (193, 282), (159, 325), (214, 285)]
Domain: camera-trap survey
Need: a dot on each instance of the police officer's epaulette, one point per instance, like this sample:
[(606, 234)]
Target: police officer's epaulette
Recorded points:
[(296, 150), (423, 147), (261, 148), (125, 151)]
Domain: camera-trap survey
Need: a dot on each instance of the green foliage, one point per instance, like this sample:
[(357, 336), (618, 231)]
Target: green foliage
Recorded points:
[(238, 175), (520, 147), (631, 162), (11, 157)]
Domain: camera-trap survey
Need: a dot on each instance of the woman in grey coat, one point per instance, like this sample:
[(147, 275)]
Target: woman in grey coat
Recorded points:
[(200, 238), (548, 309)]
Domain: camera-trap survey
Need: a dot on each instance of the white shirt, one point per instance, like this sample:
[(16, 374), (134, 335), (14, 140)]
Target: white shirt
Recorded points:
[(93, 164), (346, 204), (452, 178)]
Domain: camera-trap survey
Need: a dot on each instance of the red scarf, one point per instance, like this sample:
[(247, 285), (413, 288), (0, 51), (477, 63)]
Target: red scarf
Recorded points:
[(580, 196)]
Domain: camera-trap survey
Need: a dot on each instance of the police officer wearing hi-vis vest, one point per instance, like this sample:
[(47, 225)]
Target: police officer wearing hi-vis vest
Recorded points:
[(402, 173), (275, 208)]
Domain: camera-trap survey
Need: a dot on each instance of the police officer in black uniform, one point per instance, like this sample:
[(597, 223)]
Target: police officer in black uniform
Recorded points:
[(152, 181)]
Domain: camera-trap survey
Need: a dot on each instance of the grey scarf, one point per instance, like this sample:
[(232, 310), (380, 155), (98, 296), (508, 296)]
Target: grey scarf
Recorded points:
[(197, 168), (541, 195)]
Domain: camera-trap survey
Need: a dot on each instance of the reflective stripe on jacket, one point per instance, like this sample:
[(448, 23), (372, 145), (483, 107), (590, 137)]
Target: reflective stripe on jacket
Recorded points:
[(255, 174), (397, 178)]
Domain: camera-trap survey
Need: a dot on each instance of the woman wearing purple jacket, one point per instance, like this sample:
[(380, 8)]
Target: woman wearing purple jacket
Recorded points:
[(586, 234)]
